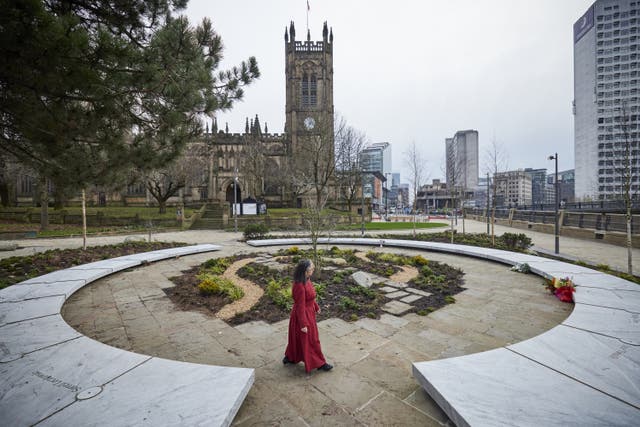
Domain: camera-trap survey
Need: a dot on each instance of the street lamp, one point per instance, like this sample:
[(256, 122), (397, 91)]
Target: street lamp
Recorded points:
[(555, 183), (235, 199)]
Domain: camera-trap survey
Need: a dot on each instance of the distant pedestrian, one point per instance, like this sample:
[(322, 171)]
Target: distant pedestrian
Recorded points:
[(304, 340)]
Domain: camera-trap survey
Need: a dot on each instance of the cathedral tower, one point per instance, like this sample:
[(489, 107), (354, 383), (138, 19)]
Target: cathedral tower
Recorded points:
[(309, 87)]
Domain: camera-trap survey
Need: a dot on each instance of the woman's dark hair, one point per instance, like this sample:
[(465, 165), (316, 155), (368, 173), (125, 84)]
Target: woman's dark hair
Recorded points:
[(299, 273)]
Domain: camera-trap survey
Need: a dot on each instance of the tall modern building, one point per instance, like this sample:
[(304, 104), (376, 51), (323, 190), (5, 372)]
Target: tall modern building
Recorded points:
[(376, 158), (513, 188), (605, 104), (462, 160), (538, 181)]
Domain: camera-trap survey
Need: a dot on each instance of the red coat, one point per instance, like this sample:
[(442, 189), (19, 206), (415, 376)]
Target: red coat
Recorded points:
[(304, 347)]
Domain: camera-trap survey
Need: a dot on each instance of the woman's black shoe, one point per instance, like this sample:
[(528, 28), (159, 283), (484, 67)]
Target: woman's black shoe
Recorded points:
[(286, 360), (326, 367)]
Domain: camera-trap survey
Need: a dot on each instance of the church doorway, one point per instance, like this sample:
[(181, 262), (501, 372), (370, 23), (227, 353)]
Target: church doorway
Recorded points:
[(230, 198)]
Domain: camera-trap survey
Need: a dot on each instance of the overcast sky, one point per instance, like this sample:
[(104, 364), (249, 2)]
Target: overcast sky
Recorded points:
[(419, 71)]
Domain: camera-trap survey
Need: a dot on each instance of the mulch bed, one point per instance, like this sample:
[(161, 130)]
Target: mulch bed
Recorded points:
[(338, 295), (17, 269)]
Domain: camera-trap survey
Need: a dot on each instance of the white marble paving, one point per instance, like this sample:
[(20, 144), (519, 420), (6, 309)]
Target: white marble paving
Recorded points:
[(17, 311), (40, 290), (45, 381), (111, 264), (69, 275), (611, 298), (610, 322), (19, 338), (604, 281), (605, 364), (499, 387), (164, 392), (170, 253)]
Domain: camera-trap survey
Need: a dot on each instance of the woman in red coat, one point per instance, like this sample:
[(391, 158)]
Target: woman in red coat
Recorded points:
[(304, 341)]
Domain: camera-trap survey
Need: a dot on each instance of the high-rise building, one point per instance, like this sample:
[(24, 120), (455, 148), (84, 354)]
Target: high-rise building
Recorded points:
[(606, 103), (513, 188), (538, 181), (462, 160), (376, 158)]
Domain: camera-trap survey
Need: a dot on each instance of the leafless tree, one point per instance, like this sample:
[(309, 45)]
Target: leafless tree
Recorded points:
[(167, 182), (456, 181), (624, 159), (496, 161), (349, 143), (416, 167)]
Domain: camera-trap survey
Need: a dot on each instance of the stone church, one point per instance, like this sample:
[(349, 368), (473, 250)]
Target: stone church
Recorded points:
[(258, 159)]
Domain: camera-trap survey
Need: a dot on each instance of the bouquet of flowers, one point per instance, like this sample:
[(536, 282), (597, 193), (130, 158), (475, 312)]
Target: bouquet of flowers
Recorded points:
[(562, 288)]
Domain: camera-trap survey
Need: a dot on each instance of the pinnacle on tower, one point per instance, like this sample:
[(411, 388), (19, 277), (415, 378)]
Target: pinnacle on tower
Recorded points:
[(226, 127), (256, 125), (246, 125), (308, 35), (324, 32), (206, 128), (286, 35), (266, 129), (292, 32), (331, 36), (214, 126)]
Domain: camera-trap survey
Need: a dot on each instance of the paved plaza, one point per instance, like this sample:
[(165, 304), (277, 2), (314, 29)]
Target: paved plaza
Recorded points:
[(372, 383)]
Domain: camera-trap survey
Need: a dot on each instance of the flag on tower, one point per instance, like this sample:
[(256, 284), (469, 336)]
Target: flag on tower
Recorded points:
[(308, 7)]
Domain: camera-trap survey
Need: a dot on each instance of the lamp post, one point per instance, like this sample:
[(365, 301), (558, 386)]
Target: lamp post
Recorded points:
[(235, 199), (375, 174), (488, 194), (555, 183)]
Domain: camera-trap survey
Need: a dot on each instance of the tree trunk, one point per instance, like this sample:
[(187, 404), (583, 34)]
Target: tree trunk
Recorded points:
[(629, 242), (44, 204), (162, 206), (84, 220)]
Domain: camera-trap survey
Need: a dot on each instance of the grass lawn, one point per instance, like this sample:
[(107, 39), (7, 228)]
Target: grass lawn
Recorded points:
[(394, 225), (289, 212)]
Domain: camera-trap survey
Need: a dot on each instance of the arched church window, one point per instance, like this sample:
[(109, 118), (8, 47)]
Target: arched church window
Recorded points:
[(309, 90), (305, 90), (313, 90)]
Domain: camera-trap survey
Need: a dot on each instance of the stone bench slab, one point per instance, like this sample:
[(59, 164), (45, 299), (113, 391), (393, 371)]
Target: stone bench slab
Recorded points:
[(17, 311), (40, 290), (500, 387), (610, 322), (610, 298), (46, 381), (162, 392), (18, 339), (573, 352)]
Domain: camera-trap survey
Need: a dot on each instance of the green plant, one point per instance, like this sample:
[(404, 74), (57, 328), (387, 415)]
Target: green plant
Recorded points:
[(449, 299), (426, 271), (280, 293), (293, 250), (361, 290), (603, 267), (321, 290), (255, 231), (216, 266), (516, 241), (422, 312), (371, 315), (353, 317), (347, 303), (217, 285), (419, 261)]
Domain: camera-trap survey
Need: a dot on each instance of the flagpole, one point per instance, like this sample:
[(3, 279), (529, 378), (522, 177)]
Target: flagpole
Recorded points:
[(307, 16)]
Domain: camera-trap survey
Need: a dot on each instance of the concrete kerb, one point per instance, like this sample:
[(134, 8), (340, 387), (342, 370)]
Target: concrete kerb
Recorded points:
[(584, 371), (53, 375)]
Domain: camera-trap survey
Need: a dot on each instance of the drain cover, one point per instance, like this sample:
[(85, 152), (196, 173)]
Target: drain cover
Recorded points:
[(88, 393)]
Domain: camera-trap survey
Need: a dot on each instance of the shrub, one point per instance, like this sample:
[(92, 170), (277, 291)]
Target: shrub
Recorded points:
[(216, 266), (361, 290), (419, 261), (449, 299), (217, 285), (321, 289), (280, 293), (371, 315), (426, 271), (255, 231), (348, 304), (293, 250), (353, 317), (603, 267), (516, 241)]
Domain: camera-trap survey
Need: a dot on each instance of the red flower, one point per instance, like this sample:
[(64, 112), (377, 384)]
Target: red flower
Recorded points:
[(565, 293)]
